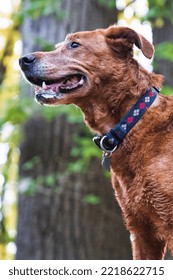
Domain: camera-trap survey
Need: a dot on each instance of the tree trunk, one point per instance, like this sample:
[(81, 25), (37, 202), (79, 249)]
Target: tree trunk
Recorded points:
[(65, 215), (164, 66)]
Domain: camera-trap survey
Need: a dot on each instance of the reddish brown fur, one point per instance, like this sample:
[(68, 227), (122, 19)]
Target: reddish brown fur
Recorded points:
[(143, 162)]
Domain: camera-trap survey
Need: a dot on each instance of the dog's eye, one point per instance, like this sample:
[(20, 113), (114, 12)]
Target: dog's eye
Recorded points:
[(73, 45)]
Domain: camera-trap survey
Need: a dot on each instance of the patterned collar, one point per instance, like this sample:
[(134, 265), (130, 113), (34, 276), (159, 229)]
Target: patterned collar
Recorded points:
[(110, 141)]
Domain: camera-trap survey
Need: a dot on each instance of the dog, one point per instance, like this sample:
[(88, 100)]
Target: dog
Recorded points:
[(120, 101)]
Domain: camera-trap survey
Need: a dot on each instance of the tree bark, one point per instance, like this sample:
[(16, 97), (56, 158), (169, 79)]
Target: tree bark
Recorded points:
[(164, 66), (56, 221)]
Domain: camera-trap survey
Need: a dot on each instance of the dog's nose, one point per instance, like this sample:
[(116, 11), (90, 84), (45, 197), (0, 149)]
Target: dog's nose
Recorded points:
[(27, 60)]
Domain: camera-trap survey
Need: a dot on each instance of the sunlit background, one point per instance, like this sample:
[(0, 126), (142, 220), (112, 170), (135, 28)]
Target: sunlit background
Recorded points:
[(8, 149)]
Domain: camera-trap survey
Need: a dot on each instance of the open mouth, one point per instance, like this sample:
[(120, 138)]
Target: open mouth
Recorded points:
[(48, 91)]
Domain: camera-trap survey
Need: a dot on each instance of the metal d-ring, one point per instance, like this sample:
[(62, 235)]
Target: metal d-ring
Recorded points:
[(103, 148)]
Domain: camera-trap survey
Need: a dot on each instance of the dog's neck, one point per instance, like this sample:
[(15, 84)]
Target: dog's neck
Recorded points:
[(104, 110), (101, 116), (102, 113)]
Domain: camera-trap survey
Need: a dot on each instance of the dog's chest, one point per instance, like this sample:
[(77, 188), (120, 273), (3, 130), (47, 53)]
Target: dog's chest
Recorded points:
[(141, 205)]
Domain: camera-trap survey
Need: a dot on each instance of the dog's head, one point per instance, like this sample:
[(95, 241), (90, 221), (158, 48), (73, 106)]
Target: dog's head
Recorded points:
[(81, 63)]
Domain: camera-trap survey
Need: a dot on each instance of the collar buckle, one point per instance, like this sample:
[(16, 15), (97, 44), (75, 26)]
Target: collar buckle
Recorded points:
[(105, 145)]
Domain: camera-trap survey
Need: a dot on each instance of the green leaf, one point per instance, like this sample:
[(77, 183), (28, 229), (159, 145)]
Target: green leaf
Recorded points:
[(50, 180), (44, 44), (92, 199), (164, 50), (30, 164), (167, 90), (79, 166)]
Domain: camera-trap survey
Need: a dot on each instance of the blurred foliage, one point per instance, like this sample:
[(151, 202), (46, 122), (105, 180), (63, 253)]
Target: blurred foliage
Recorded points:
[(167, 90), (164, 50), (44, 45), (31, 186), (159, 10), (72, 112), (37, 8), (11, 116), (92, 199), (108, 3), (83, 152)]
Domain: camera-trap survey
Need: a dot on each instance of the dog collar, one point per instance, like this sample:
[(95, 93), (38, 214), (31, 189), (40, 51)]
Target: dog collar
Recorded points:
[(110, 141)]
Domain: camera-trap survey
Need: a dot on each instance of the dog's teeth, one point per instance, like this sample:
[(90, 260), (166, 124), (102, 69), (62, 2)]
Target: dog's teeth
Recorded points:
[(44, 85)]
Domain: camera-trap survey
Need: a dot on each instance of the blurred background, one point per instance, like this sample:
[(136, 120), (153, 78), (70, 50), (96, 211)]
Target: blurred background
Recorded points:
[(56, 201)]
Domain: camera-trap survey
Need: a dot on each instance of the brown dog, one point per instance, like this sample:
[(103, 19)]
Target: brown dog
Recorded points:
[(97, 72)]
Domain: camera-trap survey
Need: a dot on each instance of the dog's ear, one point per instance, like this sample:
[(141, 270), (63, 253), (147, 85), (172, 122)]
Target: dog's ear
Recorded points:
[(122, 39)]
